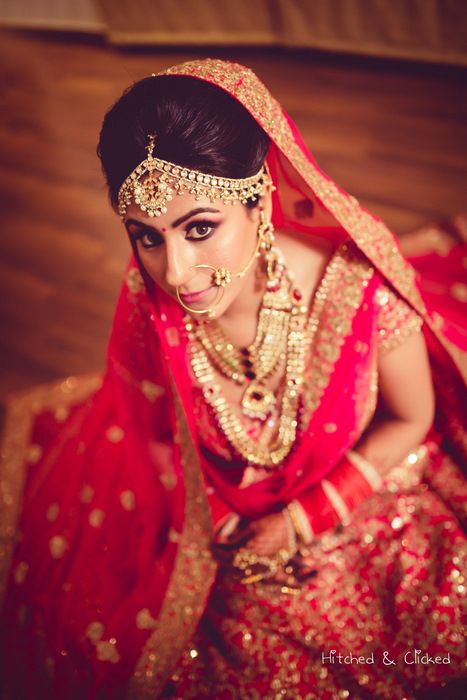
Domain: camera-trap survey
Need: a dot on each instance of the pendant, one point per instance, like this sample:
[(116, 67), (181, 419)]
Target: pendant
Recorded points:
[(257, 402)]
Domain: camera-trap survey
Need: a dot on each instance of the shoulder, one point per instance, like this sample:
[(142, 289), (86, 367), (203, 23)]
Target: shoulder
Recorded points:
[(305, 251), (312, 257)]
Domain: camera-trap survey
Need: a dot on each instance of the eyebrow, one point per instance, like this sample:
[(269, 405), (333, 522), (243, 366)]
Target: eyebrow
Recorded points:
[(177, 222)]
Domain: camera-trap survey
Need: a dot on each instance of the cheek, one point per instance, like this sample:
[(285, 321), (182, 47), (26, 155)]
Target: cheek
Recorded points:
[(151, 262), (237, 242)]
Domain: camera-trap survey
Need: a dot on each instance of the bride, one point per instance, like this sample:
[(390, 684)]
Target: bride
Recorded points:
[(264, 485)]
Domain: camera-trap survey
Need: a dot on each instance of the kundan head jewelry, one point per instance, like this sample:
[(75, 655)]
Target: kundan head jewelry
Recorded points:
[(154, 182)]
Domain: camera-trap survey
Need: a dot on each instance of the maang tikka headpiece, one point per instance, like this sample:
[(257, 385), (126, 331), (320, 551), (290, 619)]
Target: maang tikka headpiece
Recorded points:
[(154, 182)]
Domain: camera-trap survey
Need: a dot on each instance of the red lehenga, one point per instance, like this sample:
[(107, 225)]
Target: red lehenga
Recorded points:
[(114, 485)]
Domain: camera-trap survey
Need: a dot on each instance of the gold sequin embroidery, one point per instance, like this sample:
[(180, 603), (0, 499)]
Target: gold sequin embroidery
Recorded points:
[(115, 433), (96, 517), (107, 651), (20, 572), (94, 631), (34, 454), (52, 512), (134, 281), (86, 494), (396, 320), (144, 620), (127, 500), (151, 391), (58, 546)]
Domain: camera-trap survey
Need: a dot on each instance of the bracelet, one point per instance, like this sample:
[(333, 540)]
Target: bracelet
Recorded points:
[(366, 469), (244, 560), (302, 529), (292, 531), (336, 500)]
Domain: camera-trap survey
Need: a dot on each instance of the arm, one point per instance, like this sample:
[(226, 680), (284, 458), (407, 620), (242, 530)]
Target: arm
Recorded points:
[(407, 392), (408, 397)]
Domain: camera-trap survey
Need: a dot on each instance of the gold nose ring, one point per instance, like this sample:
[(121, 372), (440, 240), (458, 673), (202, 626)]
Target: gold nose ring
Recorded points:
[(220, 278)]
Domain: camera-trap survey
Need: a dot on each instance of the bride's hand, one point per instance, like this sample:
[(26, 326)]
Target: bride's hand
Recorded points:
[(265, 537), (269, 535)]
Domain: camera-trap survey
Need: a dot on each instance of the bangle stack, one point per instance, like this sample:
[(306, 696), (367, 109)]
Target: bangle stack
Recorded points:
[(366, 469), (352, 481), (331, 502)]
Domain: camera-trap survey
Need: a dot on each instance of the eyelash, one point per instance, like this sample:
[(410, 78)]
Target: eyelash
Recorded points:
[(196, 224)]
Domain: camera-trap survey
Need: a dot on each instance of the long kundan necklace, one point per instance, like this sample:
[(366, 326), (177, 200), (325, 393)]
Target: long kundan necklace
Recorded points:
[(280, 337)]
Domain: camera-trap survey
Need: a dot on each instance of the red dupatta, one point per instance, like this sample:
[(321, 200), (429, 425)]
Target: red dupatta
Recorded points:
[(118, 580)]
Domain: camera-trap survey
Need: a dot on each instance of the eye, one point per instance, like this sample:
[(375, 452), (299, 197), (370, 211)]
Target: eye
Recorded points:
[(149, 239), (201, 230)]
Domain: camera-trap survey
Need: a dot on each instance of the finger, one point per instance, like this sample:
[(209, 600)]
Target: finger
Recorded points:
[(234, 543), (303, 572), (222, 556)]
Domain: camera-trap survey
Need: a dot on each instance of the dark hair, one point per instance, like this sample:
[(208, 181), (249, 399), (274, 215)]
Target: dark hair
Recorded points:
[(197, 125)]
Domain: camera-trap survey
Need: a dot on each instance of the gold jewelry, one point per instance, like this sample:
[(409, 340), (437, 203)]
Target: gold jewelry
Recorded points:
[(210, 312), (251, 366), (154, 182), (252, 451), (245, 560), (296, 519)]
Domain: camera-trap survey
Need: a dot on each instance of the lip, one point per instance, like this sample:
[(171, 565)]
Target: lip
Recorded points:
[(195, 296)]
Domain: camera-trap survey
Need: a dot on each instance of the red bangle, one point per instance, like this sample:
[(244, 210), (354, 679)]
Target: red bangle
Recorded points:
[(352, 486), (322, 515), (332, 501)]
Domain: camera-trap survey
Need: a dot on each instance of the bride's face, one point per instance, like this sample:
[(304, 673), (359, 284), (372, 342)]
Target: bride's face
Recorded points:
[(196, 232)]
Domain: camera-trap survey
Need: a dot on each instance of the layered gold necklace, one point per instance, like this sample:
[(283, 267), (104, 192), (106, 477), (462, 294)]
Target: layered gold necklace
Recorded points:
[(281, 337)]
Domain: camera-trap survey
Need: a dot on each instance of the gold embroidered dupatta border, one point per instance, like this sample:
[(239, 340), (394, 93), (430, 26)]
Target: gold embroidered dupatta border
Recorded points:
[(192, 577), (372, 236), (184, 604)]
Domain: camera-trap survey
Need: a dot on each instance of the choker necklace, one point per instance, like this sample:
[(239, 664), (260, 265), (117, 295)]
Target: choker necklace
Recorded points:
[(281, 336)]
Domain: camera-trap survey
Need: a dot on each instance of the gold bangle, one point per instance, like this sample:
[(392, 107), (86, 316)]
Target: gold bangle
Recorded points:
[(336, 500), (366, 469), (296, 518), (292, 530)]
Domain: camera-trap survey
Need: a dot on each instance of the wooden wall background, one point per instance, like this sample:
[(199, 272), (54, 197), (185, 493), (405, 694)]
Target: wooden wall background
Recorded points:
[(393, 134)]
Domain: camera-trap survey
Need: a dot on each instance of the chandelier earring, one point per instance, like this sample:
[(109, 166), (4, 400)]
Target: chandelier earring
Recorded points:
[(273, 258), (265, 232)]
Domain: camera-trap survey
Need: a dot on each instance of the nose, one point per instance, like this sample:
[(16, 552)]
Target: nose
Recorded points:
[(178, 265)]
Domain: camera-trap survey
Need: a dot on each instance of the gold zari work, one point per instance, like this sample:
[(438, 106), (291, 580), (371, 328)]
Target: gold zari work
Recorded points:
[(396, 321), (183, 605)]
